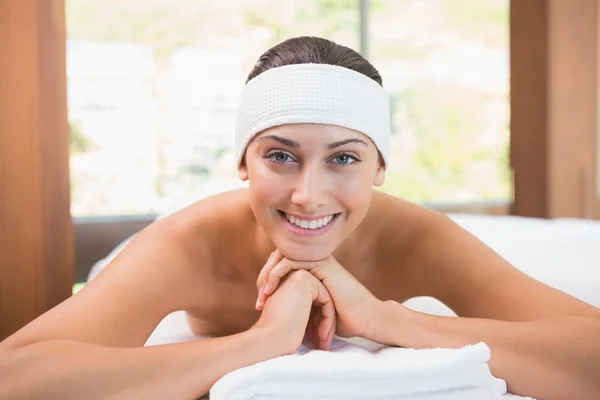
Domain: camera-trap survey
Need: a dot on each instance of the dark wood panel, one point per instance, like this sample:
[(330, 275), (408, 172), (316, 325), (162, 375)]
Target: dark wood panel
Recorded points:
[(528, 122), (554, 90), (95, 238), (36, 235)]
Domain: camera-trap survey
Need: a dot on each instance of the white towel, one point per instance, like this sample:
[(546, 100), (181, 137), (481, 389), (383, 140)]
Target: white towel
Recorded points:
[(350, 371)]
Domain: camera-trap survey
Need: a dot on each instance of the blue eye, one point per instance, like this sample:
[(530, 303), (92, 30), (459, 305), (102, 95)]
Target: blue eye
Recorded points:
[(279, 157), (345, 159)]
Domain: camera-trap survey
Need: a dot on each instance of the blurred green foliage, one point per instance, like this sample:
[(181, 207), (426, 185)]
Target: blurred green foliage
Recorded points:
[(487, 19), (78, 142)]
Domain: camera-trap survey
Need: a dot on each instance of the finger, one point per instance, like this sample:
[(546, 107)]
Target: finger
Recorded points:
[(316, 322), (310, 327), (308, 334), (280, 270), (273, 259), (326, 327), (332, 333), (328, 315)]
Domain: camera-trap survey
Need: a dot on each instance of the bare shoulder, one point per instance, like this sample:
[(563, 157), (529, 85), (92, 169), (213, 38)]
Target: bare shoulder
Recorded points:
[(204, 230), (392, 232), (164, 269), (209, 223), (218, 208), (397, 221), (217, 235), (473, 280)]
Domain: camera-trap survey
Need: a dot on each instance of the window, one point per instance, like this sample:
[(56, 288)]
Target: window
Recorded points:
[(153, 87), (445, 65)]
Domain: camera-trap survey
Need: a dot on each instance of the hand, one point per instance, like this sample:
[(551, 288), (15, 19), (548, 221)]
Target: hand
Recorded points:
[(286, 313), (354, 304)]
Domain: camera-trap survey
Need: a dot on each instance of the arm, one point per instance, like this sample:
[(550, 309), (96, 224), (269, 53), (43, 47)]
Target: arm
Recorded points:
[(65, 369), (545, 343), (90, 345), (552, 358)]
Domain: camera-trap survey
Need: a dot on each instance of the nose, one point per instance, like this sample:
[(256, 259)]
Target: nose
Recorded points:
[(310, 189)]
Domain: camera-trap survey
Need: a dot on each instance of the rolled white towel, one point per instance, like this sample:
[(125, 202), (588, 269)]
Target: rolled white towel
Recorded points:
[(350, 371)]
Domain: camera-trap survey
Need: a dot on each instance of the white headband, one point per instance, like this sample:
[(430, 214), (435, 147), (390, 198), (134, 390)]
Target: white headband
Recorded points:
[(314, 93)]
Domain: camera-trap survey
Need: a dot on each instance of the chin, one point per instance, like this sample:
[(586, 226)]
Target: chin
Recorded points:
[(305, 253)]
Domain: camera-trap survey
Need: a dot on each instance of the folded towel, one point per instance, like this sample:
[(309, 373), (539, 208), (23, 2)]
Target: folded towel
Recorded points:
[(350, 371)]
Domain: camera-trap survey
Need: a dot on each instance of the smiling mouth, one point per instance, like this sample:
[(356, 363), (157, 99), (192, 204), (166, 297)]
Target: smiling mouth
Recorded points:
[(309, 225)]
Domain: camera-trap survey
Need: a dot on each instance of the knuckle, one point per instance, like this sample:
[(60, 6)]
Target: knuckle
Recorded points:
[(280, 270), (270, 273), (301, 275)]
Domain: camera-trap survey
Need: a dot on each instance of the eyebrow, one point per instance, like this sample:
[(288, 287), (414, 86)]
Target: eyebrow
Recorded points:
[(291, 143), (284, 141), (333, 145)]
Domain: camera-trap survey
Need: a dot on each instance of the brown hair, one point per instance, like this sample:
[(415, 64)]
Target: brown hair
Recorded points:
[(313, 50)]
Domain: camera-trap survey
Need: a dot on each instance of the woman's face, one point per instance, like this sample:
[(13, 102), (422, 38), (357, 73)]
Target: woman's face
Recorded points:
[(310, 185)]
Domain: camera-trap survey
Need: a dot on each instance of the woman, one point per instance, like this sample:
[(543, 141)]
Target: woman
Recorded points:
[(324, 253)]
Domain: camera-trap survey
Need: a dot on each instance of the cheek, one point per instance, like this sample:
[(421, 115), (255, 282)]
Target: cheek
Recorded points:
[(265, 185), (355, 190)]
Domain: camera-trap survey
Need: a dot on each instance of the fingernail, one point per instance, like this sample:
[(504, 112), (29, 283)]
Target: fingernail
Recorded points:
[(260, 292), (260, 302), (268, 288), (257, 303)]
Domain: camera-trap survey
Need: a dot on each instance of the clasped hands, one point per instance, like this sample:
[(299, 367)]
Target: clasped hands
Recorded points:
[(313, 299)]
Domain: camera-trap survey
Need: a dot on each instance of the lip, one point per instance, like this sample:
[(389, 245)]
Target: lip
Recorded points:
[(310, 218), (296, 230)]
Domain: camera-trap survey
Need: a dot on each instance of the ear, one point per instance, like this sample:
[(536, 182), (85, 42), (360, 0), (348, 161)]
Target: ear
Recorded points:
[(243, 170), (379, 178)]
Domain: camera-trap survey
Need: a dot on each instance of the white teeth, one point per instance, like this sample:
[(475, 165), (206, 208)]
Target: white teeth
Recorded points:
[(314, 224)]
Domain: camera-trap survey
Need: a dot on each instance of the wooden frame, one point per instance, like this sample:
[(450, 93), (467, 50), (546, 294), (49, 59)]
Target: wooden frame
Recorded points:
[(36, 234)]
